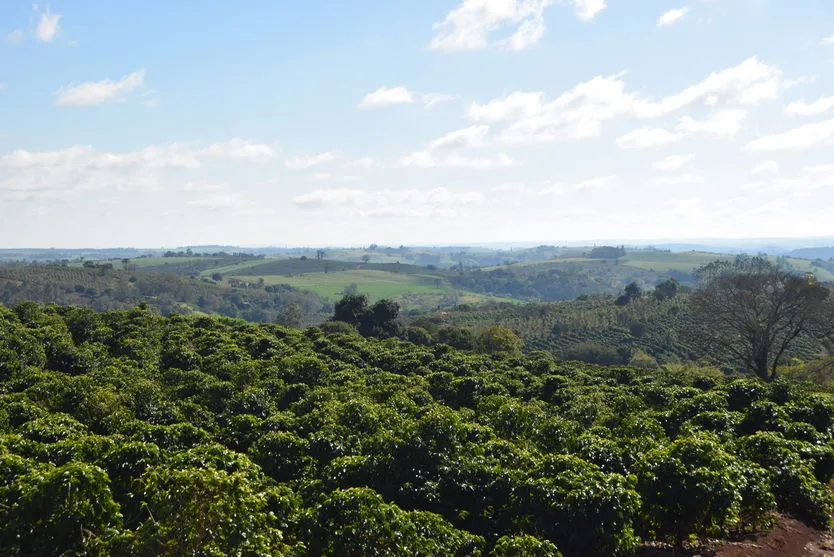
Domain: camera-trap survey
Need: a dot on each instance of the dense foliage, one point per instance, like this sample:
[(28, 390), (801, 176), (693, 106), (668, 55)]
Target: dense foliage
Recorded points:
[(127, 433), (105, 289)]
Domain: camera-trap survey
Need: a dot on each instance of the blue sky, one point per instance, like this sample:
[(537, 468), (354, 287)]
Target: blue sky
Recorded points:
[(333, 123)]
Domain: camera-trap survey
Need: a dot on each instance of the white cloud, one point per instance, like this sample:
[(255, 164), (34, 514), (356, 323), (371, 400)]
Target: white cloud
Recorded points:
[(299, 162), (217, 202), (48, 26), (820, 169), (247, 150), (98, 92), (514, 106), (674, 162), (678, 180), (205, 187), (766, 167), (320, 198), (516, 187), (586, 10), (473, 136), (321, 176), (581, 111), (644, 138), (430, 100), (725, 123), (45, 174), (428, 159), (801, 108), (577, 113), (412, 203), (828, 40), (387, 96), (364, 162), (470, 25), (598, 183), (798, 139), (748, 84), (810, 179), (672, 16), (16, 36)]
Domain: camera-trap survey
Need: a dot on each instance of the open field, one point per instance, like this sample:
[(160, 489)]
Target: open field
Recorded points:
[(409, 290), (376, 284)]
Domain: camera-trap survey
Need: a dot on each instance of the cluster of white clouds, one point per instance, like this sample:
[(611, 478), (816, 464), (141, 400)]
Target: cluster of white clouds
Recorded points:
[(444, 152), (727, 96), (57, 174), (412, 203), (474, 23)]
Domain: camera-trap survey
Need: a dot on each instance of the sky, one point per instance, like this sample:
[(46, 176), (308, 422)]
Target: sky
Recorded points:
[(350, 122)]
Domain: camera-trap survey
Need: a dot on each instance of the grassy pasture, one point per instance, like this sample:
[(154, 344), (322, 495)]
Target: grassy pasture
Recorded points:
[(376, 284)]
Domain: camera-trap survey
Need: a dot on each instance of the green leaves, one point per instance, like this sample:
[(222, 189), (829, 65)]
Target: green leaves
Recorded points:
[(64, 510), (202, 436)]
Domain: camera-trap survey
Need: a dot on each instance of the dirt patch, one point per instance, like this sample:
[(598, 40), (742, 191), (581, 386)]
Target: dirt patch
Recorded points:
[(789, 538)]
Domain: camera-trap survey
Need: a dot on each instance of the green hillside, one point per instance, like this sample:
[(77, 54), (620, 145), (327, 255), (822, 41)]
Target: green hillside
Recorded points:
[(595, 329)]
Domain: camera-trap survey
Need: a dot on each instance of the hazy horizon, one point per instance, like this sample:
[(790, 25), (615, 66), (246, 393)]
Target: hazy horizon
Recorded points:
[(778, 242)]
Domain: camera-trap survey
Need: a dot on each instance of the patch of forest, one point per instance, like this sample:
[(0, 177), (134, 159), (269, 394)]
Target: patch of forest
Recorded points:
[(129, 433), (561, 280), (103, 288)]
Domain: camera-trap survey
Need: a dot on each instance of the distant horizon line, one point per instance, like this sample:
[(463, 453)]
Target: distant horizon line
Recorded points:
[(821, 241)]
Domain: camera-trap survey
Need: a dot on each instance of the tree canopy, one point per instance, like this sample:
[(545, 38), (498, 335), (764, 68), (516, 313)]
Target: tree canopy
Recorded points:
[(753, 311)]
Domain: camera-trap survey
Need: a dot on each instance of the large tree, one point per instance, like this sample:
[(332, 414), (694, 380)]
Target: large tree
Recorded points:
[(754, 311)]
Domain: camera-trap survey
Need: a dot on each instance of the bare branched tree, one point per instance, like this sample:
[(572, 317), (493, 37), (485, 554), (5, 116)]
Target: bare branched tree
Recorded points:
[(754, 311)]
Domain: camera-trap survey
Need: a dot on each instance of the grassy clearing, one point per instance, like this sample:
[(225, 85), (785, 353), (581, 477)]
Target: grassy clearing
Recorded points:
[(232, 269), (376, 284), (411, 291), (663, 262)]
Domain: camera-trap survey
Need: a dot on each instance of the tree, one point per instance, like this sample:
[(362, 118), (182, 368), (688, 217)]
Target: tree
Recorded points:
[(291, 315), (216, 277), (456, 337), (666, 290), (631, 292), (753, 311), (498, 339), (379, 320), (366, 258), (351, 308), (320, 255)]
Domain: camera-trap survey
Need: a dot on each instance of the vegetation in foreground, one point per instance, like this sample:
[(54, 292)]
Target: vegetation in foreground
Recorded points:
[(133, 434)]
